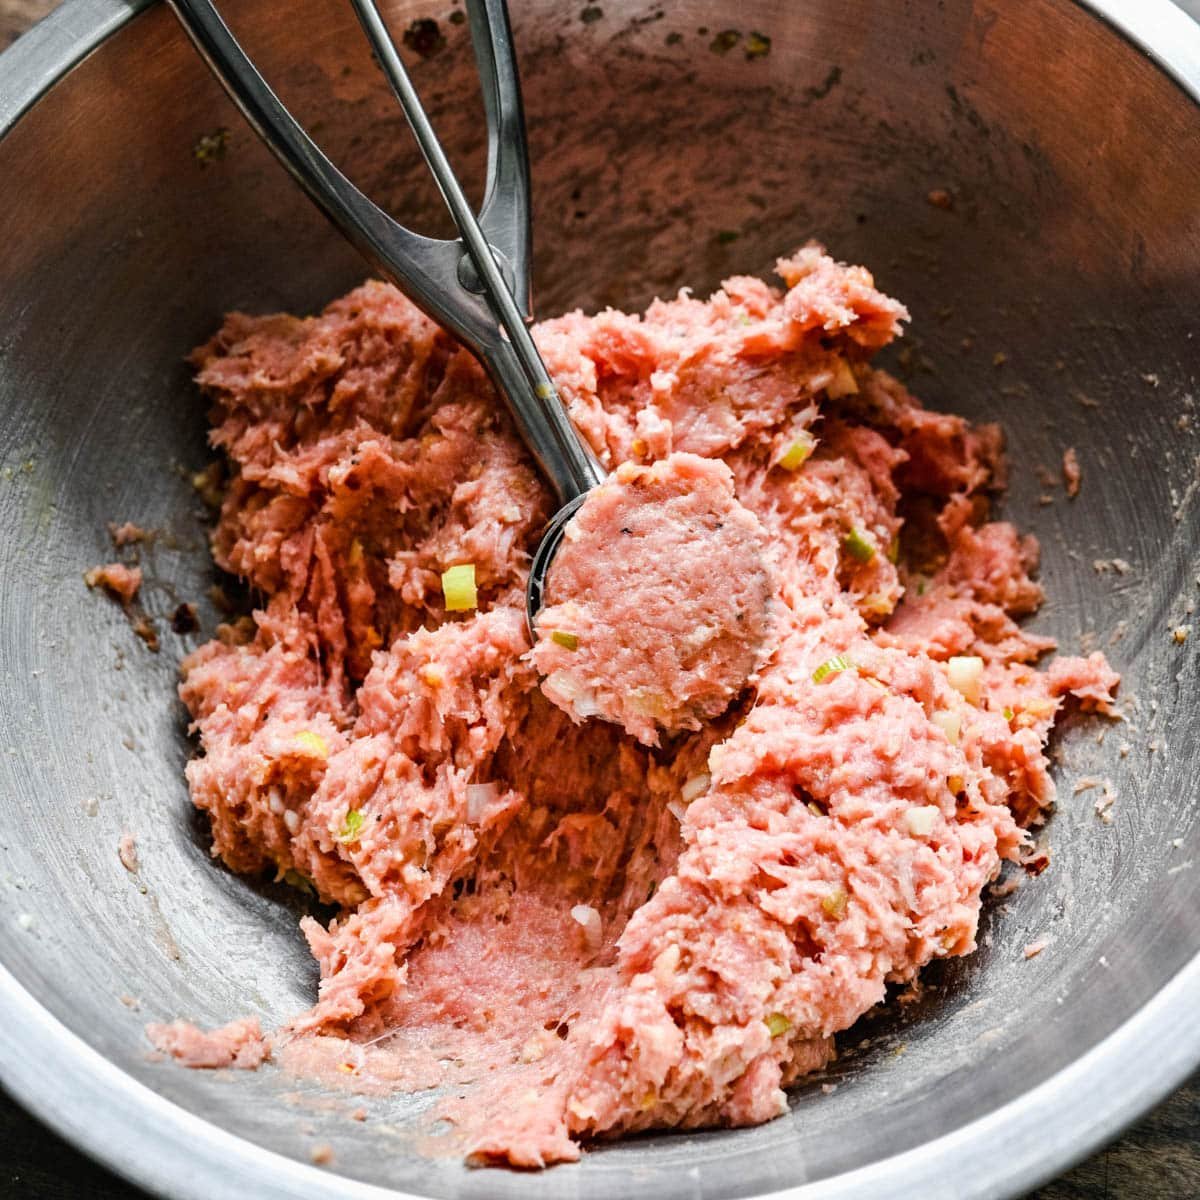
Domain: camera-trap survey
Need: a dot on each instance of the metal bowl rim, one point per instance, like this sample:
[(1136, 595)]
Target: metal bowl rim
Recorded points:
[(145, 1138)]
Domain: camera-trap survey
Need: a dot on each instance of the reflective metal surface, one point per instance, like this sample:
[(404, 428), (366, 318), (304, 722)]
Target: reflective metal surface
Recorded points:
[(1059, 292)]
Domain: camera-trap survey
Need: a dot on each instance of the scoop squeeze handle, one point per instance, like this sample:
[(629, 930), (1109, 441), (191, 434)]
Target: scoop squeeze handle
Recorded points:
[(460, 283)]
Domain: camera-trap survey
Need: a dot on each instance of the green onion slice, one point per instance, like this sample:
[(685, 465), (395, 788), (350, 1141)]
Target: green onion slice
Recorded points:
[(859, 545), (351, 826), (777, 1024), (831, 666), (799, 452), (458, 587)]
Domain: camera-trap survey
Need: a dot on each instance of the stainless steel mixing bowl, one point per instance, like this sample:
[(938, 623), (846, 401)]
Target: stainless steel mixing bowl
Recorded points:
[(1060, 292)]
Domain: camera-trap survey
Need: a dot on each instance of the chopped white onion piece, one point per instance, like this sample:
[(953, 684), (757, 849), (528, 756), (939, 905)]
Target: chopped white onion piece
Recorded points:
[(920, 821), (572, 692), (275, 800), (677, 810), (965, 674), (291, 819), (696, 786), (949, 723), (479, 796), (589, 920)]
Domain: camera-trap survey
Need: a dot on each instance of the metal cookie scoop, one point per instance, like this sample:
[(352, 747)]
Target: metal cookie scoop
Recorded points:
[(477, 286)]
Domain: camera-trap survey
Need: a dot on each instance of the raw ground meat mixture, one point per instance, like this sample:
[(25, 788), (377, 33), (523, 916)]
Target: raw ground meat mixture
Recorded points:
[(582, 934)]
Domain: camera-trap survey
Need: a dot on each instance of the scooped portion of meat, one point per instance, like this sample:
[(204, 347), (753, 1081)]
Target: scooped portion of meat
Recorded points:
[(659, 600)]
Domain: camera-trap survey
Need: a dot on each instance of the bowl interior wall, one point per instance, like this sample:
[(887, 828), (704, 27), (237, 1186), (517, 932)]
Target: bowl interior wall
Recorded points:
[(1058, 294)]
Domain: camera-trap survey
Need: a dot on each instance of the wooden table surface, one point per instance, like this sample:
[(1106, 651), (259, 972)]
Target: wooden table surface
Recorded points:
[(1157, 1159)]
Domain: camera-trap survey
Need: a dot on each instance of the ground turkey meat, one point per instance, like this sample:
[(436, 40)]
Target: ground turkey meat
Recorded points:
[(586, 934)]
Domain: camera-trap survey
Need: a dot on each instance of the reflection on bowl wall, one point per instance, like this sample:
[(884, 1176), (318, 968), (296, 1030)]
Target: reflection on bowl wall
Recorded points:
[(1057, 291)]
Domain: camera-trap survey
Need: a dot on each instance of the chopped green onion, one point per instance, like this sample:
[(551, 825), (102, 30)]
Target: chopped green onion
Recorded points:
[(351, 826), (311, 744), (798, 453), (859, 545), (834, 903), (458, 587), (568, 641), (893, 551), (1008, 714), (839, 662), (777, 1024)]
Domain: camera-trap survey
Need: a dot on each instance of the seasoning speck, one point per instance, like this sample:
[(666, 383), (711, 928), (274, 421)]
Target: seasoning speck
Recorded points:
[(424, 37), (941, 198), (144, 628), (211, 147), (591, 14), (758, 45), (725, 41), (322, 1155)]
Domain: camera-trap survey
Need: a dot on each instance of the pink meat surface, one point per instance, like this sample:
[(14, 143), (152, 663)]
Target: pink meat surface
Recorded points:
[(585, 935), (240, 1044), (658, 601), (118, 580)]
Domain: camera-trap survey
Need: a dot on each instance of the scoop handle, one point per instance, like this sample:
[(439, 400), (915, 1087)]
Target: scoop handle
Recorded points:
[(460, 283), (510, 354)]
